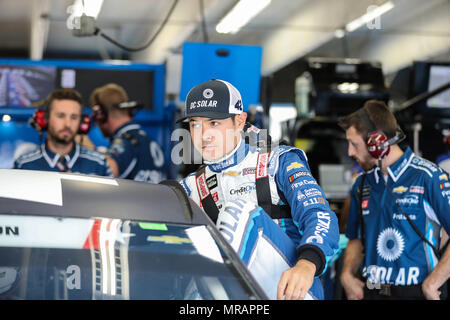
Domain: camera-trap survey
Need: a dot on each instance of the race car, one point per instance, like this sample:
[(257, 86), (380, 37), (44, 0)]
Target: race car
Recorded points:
[(71, 236)]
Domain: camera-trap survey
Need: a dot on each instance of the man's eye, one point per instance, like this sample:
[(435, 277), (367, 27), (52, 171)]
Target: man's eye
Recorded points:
[(194, 125), (215, 123)]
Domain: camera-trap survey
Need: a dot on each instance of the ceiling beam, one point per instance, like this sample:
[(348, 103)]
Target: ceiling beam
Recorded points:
[(39, 28)]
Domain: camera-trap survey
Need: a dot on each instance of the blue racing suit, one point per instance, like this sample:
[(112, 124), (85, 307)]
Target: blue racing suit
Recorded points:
[(138, 157), (80, 160), (309, 232), (395, 254)]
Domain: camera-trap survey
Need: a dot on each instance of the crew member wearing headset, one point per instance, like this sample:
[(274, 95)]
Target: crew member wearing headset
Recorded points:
[(399, 208), (63, 119), (132, 154)]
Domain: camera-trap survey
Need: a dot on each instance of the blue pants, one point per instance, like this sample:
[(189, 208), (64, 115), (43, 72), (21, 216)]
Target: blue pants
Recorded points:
[(263, 246)]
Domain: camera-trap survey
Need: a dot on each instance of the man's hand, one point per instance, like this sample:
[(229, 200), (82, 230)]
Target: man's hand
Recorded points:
[(429, 291), (296, 281), (354, 287)]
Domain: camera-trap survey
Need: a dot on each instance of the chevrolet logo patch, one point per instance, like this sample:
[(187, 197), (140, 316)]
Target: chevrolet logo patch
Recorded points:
[(294, 165), (400, 189)]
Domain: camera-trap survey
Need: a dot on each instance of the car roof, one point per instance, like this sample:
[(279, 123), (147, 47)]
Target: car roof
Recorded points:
[(44, 193)]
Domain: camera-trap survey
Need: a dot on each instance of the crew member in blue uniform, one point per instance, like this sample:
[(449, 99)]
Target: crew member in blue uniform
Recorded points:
[(62, 118), (399, 208), (262, 197), (131, 154)]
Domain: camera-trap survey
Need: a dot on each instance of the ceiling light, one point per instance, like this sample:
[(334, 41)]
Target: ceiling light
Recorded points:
[(240, 15), (90, 8), (339, 33), (369, 16), (6, 118)]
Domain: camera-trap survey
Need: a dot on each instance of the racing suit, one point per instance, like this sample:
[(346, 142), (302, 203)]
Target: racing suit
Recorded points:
[(138, 157), (80, 160), (394, 253), (270, 246)]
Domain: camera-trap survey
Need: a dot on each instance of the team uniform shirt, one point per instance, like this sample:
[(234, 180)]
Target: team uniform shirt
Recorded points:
[(394, 253), (138, 157), (312, 224), (443, 161), (80, 160)]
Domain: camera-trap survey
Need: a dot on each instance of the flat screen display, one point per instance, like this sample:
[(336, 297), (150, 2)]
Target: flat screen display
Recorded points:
[(23, 86), (139, 85), (439, 75)]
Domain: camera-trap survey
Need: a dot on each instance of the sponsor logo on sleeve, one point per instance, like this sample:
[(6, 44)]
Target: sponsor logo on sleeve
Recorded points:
[(297, 175), (443, 177), (294, 165), (444, 185)]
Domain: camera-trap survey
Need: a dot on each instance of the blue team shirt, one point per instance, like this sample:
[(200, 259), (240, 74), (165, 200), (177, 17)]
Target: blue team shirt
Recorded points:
[(395, 254), (80, 160), (138, 157)]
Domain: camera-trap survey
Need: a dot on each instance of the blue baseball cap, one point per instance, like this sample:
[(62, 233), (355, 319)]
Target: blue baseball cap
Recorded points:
[(215, 99)]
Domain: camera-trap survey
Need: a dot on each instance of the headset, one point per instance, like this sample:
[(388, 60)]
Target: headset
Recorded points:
[(39, 121), (377, 142), (100, 111)]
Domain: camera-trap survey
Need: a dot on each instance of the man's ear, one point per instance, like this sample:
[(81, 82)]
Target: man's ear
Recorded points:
[(241, 119)]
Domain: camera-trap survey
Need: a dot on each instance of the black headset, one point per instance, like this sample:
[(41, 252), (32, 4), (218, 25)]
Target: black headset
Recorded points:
[(100, 111)]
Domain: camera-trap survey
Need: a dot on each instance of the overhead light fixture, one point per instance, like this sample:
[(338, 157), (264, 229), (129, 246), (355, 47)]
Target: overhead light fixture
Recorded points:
[(90, 8), (339, 33), (369, 16), (348, 87), (240, 15), (6, 118)]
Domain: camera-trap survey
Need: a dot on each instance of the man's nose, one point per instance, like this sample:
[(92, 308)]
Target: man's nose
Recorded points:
[(206, 134), (350, 150)]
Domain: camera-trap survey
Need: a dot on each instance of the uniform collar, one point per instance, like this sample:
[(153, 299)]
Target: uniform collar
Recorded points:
[(52, 158), (126, 127), (230, 160), (398, 168)]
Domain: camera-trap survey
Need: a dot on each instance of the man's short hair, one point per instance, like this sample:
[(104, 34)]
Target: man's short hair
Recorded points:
[(62, 94), (109, 94), (380, 115)]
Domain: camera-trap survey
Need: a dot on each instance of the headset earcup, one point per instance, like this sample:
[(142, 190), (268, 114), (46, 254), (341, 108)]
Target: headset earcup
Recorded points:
[(99, 114), (377, 144), (85, 124), (39, 120)]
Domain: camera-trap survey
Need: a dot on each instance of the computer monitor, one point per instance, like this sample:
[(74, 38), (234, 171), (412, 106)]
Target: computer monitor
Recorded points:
[(428, 76), (22, 86)]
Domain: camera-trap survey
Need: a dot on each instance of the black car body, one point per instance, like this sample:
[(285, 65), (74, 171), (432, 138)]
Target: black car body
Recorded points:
[(69, 236)]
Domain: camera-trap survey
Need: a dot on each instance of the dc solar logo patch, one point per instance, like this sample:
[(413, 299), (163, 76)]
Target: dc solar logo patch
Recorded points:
[(208, 93), (390, 244)]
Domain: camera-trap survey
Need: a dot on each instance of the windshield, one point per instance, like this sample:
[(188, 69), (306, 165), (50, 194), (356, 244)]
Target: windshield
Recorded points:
[(68, 258)]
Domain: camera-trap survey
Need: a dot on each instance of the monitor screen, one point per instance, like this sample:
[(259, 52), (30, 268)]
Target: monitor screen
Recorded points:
[(439, 75), (428, 76), (138, 84), (23, 86)]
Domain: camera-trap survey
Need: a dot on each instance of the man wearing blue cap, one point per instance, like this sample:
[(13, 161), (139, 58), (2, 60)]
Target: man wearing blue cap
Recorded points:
[(263, 199)]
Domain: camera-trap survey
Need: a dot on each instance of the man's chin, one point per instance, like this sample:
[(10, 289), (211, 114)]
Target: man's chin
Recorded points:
[(64, 140)]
